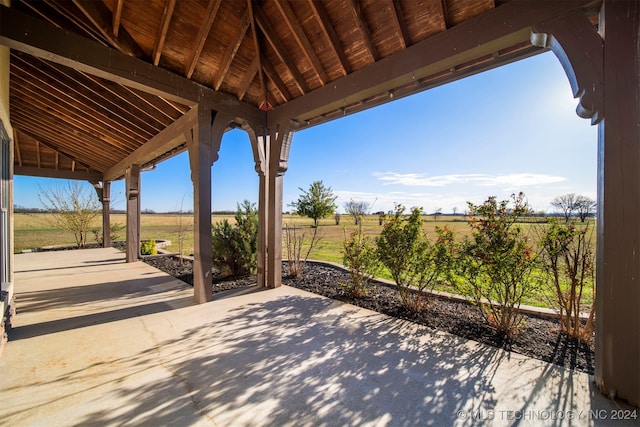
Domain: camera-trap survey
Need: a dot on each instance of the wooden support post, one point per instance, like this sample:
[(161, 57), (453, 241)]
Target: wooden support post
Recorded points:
[(203, 144), (617, 359), (106, 208), (279, 145), (132, 178)]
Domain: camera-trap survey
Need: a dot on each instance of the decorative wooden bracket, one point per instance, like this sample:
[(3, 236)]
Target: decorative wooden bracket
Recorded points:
[(579, 47)]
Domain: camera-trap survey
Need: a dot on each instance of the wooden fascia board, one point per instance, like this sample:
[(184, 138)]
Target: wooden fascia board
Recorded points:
[(24, 33), (168, 139), (486, 34), (57, 173)]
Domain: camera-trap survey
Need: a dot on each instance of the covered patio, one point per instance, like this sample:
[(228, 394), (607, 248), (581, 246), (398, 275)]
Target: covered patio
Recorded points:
[(102, 342), (100, 90)]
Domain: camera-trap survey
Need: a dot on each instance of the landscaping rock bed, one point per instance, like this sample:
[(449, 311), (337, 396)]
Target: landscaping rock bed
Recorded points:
[(538, 338)]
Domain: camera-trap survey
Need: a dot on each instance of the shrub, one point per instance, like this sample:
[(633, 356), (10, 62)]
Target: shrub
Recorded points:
[(148, 248), (114, 232), (568, 262), (414, 263), (359, 255), (234, 247), (496, 264), (294, 242)]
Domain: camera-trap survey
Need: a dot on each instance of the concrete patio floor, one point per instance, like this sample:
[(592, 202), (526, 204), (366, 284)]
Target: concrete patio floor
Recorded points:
[(100, 342)]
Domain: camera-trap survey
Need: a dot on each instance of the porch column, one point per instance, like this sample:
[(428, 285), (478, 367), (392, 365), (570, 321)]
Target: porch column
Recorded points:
[(617, 359), (259, 146), (203, 144), (132, 178), (279, 146), (103, 190)]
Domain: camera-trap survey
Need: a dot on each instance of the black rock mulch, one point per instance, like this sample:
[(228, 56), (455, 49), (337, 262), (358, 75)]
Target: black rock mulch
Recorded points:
[(538, 338)]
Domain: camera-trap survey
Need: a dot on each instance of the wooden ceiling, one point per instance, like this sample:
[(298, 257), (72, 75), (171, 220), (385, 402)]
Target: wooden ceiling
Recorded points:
[(267, 54)]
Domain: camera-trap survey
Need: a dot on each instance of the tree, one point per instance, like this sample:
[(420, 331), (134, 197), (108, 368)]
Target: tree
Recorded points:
[(357, 209), (436, 213), (318, 202), (234, 247), (584, 207), (72, 208), (566, 204)]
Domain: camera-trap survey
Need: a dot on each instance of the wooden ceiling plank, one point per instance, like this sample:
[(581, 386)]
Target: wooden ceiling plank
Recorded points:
[(358, 17), (487, 33), (249, 76), (57, 173), (16, 144), (117, 16), (167, 13), (330, 34), (281, 51), (101, 18), (76, 18), (303, 41), (232, 49), (399, 23), (258, 52), (156, 104), (276, 80), (169, 138), (70, 112), (201, 38)]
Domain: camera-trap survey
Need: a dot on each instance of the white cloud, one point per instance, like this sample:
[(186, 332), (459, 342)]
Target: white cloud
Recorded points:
[(514, 180)]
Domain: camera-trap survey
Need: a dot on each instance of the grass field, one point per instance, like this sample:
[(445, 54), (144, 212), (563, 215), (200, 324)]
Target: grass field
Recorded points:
[(35, 230)]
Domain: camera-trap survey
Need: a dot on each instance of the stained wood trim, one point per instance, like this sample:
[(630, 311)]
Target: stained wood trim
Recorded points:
[(162, 31), (201, 38), (171, 137), (57, 173), (330, 34)]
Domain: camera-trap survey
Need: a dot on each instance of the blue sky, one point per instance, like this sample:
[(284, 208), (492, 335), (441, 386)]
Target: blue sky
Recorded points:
[(503, 131)]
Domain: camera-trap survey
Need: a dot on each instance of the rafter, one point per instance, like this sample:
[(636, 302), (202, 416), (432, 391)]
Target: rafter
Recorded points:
[(256, 46), (77, 18), (399, 23), (53, 147), (280, 50), (58, 173), (117, 15), (98, 14), (445, 14), (169, 6), (232, 49), (38, 153), (249, 77), (276, 80), (303, 42), (330, 34), (356, 13), (201, 38)]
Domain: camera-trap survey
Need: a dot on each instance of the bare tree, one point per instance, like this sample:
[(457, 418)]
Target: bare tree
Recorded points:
[(454, 210), (357, 209), (584, 207), (73, 208), (184, 225), (565, 204)]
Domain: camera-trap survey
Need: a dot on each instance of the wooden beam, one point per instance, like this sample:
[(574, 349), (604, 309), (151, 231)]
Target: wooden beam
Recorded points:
[(24, 33), (303, 42), (280, 50), (117, 15), (57, 173), (399, 23), (16, 144), (249, 76), (98, 14), (256, 46), (356, 11), (38, 153), (489, 33), (171, 137), (330, 34), (272, 74), (232, 49), (162, 31), (445, 14), (201, 38)]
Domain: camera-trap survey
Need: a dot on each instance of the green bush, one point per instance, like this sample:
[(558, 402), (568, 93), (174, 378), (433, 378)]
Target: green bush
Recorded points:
[(497, 263), (148, 247), (359, 255), (234, 247)]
